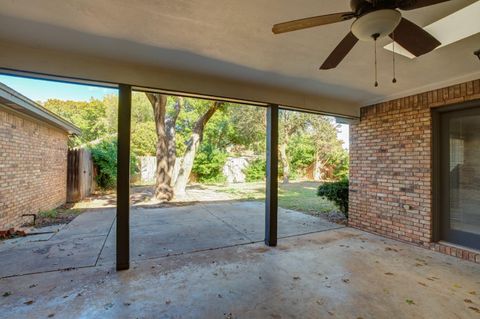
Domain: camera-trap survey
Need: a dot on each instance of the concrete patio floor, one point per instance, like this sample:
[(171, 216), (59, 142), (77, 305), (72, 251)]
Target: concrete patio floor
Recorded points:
[(89, 240), (341, 273)]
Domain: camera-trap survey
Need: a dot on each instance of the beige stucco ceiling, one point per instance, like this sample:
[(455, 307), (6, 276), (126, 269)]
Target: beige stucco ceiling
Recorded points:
[(231, 40)]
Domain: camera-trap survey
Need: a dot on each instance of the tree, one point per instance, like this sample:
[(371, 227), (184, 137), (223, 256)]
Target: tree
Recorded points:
[(327, 145), (290, 123), (166, 148), (193, 144), (166, 130), (88, 116)]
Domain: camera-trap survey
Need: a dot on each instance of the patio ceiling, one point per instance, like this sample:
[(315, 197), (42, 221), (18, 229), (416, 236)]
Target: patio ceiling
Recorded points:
[(222, 49)]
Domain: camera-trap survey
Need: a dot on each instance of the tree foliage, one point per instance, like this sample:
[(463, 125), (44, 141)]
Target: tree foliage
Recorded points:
[(306, 141), (104, 156)]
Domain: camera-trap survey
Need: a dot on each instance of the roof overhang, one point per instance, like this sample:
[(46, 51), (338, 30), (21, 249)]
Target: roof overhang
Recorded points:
[(13, 100), (226, 50)]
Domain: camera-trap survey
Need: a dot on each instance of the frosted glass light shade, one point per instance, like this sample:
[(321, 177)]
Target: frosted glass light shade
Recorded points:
[(381, 22)]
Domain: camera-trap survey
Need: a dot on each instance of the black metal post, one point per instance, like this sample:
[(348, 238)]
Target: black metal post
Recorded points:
[(123, 177), (271, 198)]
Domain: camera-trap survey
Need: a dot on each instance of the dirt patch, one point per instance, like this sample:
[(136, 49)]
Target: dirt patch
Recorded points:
[(61, 215)]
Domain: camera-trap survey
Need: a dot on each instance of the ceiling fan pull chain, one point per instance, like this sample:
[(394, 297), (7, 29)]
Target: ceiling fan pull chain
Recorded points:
[(375, 36), (393, 54)]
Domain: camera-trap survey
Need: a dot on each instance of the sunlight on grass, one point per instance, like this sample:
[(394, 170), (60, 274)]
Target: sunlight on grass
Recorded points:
[(300, 196)]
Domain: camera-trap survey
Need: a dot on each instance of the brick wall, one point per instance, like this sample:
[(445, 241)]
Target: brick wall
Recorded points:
[(33, 167), (391, 165)]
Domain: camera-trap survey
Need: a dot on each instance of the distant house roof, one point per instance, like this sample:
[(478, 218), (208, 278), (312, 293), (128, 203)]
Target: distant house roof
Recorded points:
[(16, 101)]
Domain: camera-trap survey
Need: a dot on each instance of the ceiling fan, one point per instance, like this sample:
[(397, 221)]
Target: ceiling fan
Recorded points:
[(374, 19)]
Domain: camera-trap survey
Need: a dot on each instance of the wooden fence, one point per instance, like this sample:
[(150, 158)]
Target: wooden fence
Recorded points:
[(80, 176)]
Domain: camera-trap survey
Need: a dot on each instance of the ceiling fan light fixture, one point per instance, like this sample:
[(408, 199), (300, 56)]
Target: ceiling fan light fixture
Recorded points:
[(376, 24)]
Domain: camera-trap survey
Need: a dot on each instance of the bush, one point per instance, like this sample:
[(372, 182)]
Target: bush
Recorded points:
[(337, 192), (255, 171), (104, 155), (208, 165)]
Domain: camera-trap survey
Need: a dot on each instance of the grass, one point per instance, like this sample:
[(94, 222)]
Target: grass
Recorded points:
[(48, 214), (302, 196), (297, 195), (56, 216)]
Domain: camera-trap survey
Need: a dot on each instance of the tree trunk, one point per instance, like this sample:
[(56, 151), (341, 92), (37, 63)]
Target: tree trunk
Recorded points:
[(317, 168), (285, 162), (192, 148), (170, 123), (163, 188)]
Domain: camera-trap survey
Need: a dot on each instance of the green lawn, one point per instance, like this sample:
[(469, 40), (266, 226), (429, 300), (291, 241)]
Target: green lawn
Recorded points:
[(300, 196)]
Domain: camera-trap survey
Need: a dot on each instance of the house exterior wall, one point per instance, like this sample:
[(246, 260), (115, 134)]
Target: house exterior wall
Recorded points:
[(33, 167), (391, 165)]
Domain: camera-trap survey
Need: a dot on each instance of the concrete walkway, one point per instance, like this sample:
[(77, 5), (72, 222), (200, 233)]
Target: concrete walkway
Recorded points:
[(89, 240)]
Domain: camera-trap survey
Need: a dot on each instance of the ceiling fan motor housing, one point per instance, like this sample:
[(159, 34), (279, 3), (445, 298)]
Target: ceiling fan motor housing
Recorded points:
[(376, 24)]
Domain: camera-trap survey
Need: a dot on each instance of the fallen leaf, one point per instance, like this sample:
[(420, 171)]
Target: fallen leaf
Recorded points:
[(28, 303), (474, 293), (389, 274), (346, 280), (51, 315), (296, 278), (423, 284), (6, 293), (467, 301), (409, 301), (474, 309), (32, 286)]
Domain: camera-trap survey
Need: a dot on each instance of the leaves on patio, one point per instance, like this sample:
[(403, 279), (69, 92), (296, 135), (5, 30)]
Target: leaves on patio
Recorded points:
[(474, 309), (389, 273), (467, 301), (7, 293), (422, 284), (409, 301), (28, 303)]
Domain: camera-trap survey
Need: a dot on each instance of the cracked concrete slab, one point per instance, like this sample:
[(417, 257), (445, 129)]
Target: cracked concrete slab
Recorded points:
[(341, 273), (89, 240)]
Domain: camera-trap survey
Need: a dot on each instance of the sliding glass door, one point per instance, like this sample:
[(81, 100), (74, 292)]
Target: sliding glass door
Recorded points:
[(460, 177)]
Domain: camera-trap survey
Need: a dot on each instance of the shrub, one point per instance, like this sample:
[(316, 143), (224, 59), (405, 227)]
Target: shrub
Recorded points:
[(255, 171), (337, 192), (104, 155), (208, 165)]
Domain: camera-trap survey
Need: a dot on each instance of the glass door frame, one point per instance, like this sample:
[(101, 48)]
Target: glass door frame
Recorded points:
[(440, 176)]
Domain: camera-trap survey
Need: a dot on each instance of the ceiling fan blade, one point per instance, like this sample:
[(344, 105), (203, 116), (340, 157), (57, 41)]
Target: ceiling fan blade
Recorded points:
[(413, 38), (311, 22), (415, 4), (339, 53)]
